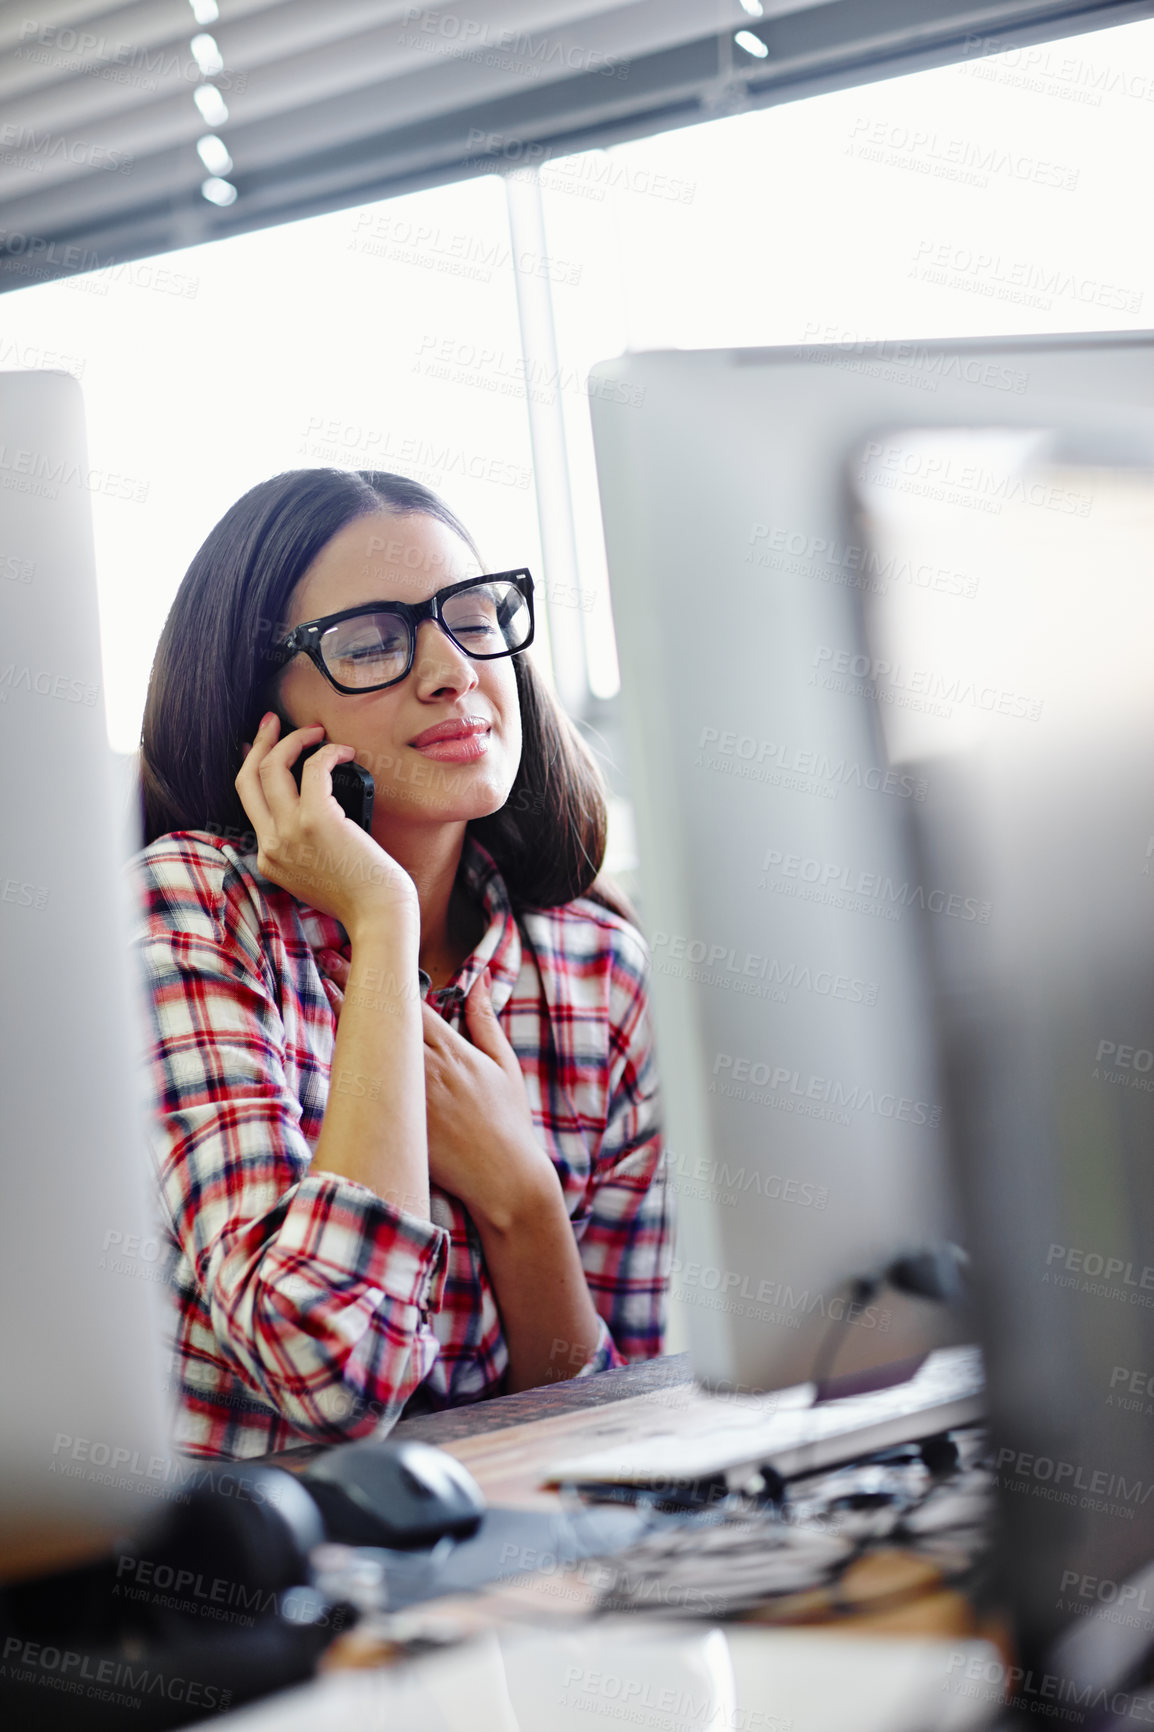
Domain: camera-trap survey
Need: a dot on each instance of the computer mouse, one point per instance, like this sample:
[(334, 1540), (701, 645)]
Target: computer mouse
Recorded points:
[(377, 1492)]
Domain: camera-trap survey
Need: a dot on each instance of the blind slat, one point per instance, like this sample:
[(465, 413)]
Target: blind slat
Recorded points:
[(329, 118)]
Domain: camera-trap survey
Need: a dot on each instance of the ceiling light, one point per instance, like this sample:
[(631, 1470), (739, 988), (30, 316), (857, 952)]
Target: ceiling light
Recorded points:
[(218, 191), (751, 43), (207, 55), (207, 11), (211, 104), (214, 154)]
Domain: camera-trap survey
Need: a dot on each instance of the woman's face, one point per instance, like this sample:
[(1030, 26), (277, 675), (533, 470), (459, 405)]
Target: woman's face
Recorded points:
[(386, 557)]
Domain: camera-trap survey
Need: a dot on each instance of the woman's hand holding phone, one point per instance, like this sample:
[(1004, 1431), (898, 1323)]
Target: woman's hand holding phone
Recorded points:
[(305, 842), (308, 846)]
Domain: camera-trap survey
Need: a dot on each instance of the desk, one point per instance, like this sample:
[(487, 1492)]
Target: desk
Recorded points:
[(538, 1665), (508, 1443)]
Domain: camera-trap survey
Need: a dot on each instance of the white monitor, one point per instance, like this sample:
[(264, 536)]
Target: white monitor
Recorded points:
[(743, 495), (83, 1418)]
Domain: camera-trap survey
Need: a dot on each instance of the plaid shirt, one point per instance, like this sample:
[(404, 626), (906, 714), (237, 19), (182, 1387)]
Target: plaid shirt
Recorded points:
[(307, 1309)]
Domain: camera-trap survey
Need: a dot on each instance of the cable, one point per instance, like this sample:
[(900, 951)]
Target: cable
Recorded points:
[(859, 1290)]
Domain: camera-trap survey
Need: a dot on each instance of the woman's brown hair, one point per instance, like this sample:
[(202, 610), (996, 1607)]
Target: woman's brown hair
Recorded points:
[(211, 679)]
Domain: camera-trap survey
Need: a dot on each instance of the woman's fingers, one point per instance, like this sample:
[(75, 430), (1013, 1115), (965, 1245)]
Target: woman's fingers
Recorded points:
[(267, 773), (485, 1034), (481, 1021), (305, 843), (268, 790), (485, 1029), (275, 768), (436, 1030), (248, 783), (338, 968), (316, 784)]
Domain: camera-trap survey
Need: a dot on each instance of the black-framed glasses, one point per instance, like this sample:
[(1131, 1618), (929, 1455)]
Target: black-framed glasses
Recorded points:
[(366, 648)]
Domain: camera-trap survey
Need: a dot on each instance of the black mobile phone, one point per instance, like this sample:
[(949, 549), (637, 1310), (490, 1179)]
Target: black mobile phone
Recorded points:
[(353, 787)]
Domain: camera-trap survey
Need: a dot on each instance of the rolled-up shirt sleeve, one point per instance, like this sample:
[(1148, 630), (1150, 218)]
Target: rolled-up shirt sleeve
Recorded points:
[(316, 1293), (626, 1243)]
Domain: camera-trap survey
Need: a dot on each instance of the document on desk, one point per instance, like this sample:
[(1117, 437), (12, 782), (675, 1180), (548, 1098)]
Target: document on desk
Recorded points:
[(713, 1434)]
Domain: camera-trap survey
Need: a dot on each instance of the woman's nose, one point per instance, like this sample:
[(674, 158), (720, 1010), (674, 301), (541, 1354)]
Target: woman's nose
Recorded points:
[(438, 663)]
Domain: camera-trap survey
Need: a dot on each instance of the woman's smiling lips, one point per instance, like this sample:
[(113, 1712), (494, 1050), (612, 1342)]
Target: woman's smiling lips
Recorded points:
[(458, 741)]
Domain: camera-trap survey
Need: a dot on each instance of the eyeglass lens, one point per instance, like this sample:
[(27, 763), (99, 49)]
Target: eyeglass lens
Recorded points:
[(373, 648)]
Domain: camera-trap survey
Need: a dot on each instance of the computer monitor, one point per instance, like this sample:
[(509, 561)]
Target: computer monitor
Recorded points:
[(803, 1105), (83, 1417), (1047, 1023), (885, 615), (782, 901), (1042, 791)]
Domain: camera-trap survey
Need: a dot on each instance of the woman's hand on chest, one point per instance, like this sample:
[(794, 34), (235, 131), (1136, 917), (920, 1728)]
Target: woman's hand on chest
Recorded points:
[(483, 1147)]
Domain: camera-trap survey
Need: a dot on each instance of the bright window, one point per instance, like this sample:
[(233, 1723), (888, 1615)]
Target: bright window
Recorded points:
[(1001, 195), (382, 338)]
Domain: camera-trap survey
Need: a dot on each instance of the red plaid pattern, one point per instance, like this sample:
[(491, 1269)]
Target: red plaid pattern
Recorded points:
[(307, 1309)]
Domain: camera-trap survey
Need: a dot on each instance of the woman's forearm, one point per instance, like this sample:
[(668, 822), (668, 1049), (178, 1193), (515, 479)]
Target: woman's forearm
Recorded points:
[(374, 1125), (550, 1325)]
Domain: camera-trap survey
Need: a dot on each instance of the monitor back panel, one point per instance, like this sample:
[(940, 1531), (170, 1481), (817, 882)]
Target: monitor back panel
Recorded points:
[(83, 1421), (786, 911)]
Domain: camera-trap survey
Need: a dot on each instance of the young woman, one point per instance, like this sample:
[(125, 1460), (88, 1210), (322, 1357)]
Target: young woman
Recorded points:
[(410, 1153)]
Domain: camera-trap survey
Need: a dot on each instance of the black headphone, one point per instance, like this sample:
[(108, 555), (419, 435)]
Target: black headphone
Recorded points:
[(212, 1607)]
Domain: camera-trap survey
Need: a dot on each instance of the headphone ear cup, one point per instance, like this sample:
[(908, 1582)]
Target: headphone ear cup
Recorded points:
[(206, 1597), (251, 1528)]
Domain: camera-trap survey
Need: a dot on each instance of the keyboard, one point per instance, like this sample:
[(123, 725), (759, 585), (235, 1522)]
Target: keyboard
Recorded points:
[(786, 1429)]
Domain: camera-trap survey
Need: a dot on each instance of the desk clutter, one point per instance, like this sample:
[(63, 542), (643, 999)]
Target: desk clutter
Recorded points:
[(706, 1434), (858, 1540), (792, 1555)]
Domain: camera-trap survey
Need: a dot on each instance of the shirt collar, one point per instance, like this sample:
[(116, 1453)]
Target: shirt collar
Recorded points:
[(498, 948)]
